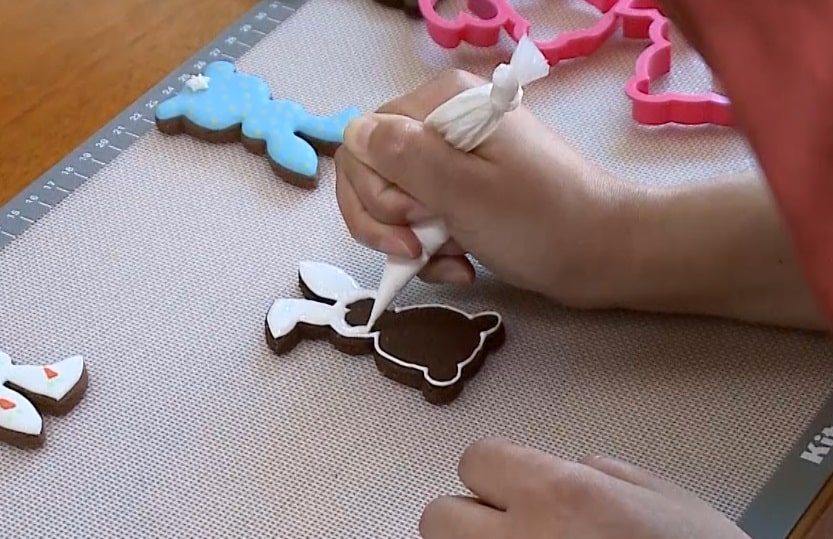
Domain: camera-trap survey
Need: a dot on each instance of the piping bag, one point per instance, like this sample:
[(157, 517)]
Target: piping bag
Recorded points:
[(465, 121)]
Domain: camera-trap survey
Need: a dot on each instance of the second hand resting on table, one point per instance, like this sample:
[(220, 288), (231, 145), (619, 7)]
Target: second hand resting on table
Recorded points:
[(588, 239)]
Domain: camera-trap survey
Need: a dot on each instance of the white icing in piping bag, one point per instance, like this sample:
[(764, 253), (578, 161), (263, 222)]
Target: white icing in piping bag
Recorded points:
[(465, 121)]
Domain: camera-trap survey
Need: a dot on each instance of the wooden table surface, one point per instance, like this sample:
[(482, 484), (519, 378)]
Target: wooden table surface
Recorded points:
[(76, 64)]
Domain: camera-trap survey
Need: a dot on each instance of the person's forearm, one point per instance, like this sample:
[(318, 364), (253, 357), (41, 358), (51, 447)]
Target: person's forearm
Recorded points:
[(716, 248), (775, 61)]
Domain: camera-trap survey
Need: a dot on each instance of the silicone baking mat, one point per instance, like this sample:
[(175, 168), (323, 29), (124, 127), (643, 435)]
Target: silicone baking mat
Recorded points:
[(161, 266)]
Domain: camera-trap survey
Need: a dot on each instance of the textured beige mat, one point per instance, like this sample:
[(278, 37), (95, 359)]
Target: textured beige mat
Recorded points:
[(161, 268)]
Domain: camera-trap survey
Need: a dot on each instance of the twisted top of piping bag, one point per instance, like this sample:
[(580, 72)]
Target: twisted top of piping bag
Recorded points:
[(468, 118)]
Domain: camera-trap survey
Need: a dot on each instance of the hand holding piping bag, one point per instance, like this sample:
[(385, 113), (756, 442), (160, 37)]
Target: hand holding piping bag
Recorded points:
[(465, 121)]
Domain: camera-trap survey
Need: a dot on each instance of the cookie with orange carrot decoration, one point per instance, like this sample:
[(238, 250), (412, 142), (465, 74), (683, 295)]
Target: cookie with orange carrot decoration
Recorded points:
[(27, 391)]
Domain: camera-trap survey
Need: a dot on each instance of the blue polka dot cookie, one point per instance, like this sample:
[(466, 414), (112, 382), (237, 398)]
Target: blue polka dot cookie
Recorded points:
[(222, 105)]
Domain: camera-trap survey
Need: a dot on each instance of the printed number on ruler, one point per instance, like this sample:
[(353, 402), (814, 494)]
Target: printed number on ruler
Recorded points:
[(265, 16), (137, 117), (11, 225), (15, 214), (120, 130), (217, 52), (35, 199), (246, 28), (52, 185), (87, 157), (70, 171)]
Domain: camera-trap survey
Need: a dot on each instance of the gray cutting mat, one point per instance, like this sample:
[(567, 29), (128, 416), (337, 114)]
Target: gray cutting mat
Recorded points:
[(159, 269)]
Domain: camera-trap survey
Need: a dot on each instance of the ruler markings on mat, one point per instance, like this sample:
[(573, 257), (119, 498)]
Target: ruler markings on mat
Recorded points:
[(117, 135)]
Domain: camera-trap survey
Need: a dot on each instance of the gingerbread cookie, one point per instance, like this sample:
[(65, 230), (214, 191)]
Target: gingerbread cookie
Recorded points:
[(434, 348), (410, 7), (27, 391), (221, 105)]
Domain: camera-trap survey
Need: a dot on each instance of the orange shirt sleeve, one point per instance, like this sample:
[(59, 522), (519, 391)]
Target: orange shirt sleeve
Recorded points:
[(775, 60)]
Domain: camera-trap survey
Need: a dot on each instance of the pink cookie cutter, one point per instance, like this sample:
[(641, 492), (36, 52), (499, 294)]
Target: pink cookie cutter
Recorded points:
[(642, 19), (482, 28)]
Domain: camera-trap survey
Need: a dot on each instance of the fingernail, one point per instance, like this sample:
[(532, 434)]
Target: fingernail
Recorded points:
[(418, 213), (454, 274), (357, 134), (396, 247)]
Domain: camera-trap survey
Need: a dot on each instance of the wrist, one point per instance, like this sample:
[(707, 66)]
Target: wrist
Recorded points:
[(657, 249), (594, 264)]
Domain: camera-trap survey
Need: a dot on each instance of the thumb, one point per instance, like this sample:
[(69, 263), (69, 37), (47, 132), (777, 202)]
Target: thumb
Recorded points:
[(416, 158)]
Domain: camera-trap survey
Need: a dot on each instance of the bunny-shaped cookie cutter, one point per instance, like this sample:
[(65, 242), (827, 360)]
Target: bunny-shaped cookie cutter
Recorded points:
[(643, 19), (640, 19), (483, 25)]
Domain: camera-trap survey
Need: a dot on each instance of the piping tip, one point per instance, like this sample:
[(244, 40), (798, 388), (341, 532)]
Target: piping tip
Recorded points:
[(375, 313)]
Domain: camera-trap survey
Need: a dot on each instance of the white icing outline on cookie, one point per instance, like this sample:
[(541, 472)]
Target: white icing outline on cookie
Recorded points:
[(334, 284)]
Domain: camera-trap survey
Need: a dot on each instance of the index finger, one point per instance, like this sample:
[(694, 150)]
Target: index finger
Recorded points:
[(460, 517), (500, 472)]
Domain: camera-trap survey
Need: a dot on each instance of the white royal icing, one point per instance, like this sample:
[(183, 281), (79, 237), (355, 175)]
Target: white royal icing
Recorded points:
[(197, 82), (460, 366), (18, 414), (333, 283), (328, 281), (285, 314), (53, 381)]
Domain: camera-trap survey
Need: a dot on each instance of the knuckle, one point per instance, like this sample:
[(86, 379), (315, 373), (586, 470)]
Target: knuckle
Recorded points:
[(565, 479), (400, 139), (379, 211), (457, 79), (387, 209)]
